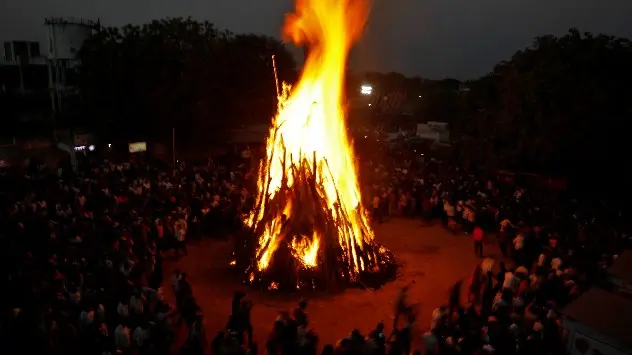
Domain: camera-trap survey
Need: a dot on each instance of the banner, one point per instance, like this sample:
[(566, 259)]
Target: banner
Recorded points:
[(137, 147)]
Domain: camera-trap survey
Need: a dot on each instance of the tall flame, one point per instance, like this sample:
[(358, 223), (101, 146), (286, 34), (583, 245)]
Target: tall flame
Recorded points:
[(310, 126)]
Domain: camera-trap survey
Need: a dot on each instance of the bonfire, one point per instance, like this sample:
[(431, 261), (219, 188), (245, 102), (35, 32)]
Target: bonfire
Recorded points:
[(309, 228)]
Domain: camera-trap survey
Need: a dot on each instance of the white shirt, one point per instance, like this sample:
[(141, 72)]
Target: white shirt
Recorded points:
[(517, 302), (449, 210), (511, 281), (136, 304), (518, 242), (430, 341), (437, 314), (140, 336), (122, 309), (121, 337), (471, 216), (86, 318), (498, 302), (101, 312)]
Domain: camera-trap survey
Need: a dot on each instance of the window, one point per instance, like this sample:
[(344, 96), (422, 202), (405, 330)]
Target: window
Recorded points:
[(8, 52), (34, 48), (20, 49)]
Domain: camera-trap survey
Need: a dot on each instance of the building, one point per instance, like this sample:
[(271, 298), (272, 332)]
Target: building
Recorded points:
[(620, 274), (66, 35), (598, 322), (23, 82), (38, 81), (22, 67)]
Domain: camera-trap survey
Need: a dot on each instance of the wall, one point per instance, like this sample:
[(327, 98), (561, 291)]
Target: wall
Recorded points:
[(435, 131), (584, 341)]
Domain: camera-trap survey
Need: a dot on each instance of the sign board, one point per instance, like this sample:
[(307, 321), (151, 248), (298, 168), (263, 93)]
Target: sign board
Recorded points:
[(82, 139), (437, 126), (137, 147)]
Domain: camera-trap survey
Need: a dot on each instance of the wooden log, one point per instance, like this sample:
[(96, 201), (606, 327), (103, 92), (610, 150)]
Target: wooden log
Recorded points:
[(264, 195), (314, 173)]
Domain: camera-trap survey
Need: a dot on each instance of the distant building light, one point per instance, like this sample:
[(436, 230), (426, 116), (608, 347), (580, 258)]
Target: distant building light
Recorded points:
[(80, 147), (91, 148), (369, 104), (366, 90), (109, 145), (420, 96)]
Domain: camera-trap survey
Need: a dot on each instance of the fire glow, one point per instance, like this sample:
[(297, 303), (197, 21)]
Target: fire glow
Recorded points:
[(308, 217)]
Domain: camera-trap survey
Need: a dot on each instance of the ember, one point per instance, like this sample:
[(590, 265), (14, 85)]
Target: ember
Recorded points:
[(310, 228)]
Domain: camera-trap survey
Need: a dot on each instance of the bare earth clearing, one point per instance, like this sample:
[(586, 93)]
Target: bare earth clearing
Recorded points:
[(432, 261)]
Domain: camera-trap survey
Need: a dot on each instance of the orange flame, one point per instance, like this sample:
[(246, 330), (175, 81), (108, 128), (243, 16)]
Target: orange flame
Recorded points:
[(311, 121)]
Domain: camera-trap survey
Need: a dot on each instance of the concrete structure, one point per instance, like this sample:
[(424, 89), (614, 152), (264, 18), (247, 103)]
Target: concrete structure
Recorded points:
[(21, 52), (20, 60), (23, 82), (620, 274), (32, 74), (598, 322), (437, 132), (65, 38)]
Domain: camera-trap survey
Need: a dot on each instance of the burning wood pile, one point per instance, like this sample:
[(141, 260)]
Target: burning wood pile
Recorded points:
[(309, 228)]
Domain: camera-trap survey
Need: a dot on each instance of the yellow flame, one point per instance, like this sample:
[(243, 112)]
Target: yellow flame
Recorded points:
[(306, 250), (311, 118)]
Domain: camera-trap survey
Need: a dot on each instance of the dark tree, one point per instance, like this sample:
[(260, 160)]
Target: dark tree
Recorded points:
[(560, 105), (175, 72)]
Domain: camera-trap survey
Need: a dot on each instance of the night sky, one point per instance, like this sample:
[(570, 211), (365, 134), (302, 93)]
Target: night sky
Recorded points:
[(431, 38)]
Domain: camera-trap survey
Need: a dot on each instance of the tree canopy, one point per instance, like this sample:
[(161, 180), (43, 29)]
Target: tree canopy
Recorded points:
[(181, 73), (559, 105)]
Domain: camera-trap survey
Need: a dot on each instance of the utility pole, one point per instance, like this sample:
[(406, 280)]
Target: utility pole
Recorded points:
[(173, 146)]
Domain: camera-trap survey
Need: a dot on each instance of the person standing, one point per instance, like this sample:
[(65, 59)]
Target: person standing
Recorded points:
[(180, 234), (377, 213), (478, 236), (449, 215), (503, 236), (519, 252)]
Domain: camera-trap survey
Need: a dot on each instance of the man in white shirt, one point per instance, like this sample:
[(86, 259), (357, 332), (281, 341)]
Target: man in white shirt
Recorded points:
[(430, 343), (511, 282), (518, 243), (141, 335), (137, 303), (122, 309), (437, 316), (122, 337), (180, 231), (448, 209), (503, 236)]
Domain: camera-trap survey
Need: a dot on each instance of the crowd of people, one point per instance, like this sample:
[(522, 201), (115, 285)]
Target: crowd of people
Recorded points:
[(83, 250), (553, 248)]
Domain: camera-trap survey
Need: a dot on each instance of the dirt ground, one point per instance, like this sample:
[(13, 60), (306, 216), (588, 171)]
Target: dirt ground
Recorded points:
[(432, 261)]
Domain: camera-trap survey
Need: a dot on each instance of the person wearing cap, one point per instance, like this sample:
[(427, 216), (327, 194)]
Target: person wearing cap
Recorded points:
[(478, 236)]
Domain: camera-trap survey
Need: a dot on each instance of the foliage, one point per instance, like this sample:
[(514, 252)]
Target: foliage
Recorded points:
[(560, 105), (180, 73)]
